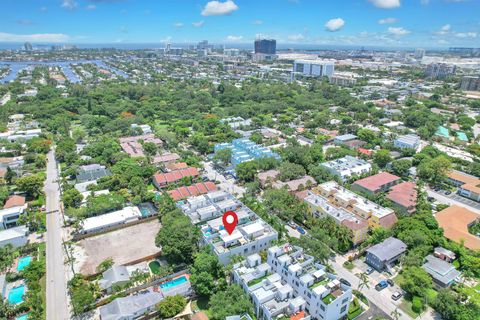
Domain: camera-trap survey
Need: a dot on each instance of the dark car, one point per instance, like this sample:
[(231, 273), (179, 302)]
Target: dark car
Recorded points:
[(430, 199), (345, 282), (390, 282), (448, 192), (381, 285)]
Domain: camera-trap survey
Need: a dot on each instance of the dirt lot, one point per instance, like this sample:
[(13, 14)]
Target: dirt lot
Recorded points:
[(124, 245)]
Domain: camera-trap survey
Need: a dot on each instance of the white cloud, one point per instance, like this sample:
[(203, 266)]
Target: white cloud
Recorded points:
[(386, 4), (398, 31), (424, 2), (217, 8), (296, 37), (234, 38), (69, 4), (167, 39), (387, 20), (178, 25), (198, 24), (446, 27), (257, 22), (334, 24), (91, 7), (38, 37), (466, 35)]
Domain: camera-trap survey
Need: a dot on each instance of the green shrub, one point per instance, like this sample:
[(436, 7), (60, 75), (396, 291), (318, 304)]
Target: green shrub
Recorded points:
[(417, 304)]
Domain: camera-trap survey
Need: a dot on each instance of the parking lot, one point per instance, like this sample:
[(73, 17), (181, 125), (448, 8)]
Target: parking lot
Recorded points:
[(123, 246), (453, 198)]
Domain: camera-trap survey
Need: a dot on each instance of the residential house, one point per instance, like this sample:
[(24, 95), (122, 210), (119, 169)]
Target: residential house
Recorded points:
[(409, 141), (161, 179), (114, 276), (384, 255), (10, 216), (92, 172), (131, 307), (133, 145), (16, 236), (347, 167), (192, 190), (443, 273), (444, 254)]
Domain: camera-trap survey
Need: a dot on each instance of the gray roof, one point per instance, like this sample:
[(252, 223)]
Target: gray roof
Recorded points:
[(440, 270), (128, 307), (92, 172), (388, 249), (445, 252), (114, 275), (346, 137)]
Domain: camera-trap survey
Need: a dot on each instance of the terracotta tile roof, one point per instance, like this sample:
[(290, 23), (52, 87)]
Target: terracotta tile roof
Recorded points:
[(388, 221), (470, 183), (199, 316), (299, 316), (176, 166), (404, 194), (375, 182), (169, 177), (193, 190), (14, 201), (168, 157), (364, 151), (455, 221), (352, 225)]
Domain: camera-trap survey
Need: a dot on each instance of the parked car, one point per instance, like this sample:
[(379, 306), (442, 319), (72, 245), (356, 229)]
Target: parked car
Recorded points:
[(300, 229), (448, 192), (345, 282), (430, 199), (369, 270), (381, 285), (390, 282), (397, 295)]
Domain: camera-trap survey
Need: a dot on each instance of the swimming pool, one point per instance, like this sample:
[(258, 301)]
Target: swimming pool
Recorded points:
[(15, 296), (22, 317), (173, 283), (23, 263)]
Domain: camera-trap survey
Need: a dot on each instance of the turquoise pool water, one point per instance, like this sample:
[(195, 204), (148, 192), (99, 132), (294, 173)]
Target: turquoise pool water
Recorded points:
[(15, 296), (23, 263), (173, 283), (23, 317)]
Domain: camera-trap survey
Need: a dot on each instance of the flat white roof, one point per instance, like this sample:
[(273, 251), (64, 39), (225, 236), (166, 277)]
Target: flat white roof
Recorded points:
[(111, 218), (253, 228), (13, 233)]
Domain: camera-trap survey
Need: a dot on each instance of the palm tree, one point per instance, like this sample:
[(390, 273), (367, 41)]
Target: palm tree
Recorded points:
[(363, 281), (395, 314)]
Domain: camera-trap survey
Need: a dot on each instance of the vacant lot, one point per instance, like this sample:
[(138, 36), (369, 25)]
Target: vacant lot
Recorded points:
[(123, 246)]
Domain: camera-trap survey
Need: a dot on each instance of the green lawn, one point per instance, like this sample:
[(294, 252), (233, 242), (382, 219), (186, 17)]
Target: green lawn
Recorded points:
[(406, 306), (431, 295)]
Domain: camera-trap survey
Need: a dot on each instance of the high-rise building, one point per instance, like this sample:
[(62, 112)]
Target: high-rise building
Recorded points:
[(419, 53), (202, 45), (470, 83), (28, 46), (168, 47), (315, 68), (440, 70), (266, 46)]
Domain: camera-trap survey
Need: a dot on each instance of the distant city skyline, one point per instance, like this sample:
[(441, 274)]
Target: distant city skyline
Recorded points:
[(383, 23)]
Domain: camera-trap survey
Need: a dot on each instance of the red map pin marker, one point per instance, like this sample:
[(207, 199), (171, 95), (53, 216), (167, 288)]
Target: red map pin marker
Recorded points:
[(230, 221)]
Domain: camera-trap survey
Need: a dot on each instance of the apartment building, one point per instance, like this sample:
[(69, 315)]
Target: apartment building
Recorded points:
[(244, 150), (251, 235), (408, 141), (377, 183), (468, 185), (291, 284), (321, 207), (347, 167), (376, 215)]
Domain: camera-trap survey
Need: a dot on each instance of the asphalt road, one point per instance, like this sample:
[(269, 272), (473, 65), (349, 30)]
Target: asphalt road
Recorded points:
[(57, 308), (454, 199), (225, 184)]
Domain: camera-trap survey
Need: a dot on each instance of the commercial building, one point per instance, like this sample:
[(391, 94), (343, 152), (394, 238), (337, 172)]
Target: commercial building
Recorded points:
[(110, 220), (404, 197), (376, 215), (347, 167), (384, 255), (251, 234), (419, 53), (321, 207), (266, 46), (16, 236), (444, 274), (455, 221), (470, 83), (468, 185), (408, 141), (440, 70), (314, 68), (291, 285), (380, 182), (244, 150)]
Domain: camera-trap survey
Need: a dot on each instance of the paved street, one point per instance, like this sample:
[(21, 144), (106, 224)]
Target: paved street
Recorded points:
[(56, 283), (454, 199), (225, 184)]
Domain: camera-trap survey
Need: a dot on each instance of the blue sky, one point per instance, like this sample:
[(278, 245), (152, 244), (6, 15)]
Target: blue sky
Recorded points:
[(427, 23)]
